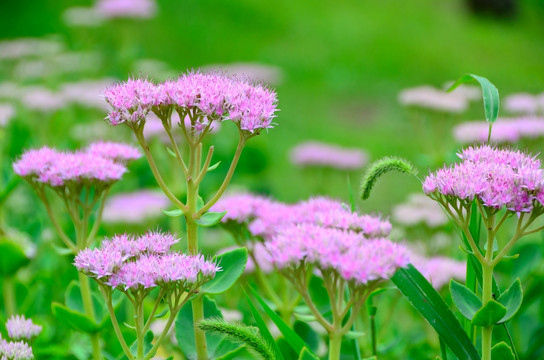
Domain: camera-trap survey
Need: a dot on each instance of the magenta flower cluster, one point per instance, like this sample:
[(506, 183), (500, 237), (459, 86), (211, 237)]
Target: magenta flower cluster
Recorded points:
[(57, 168), (354, 257), (21, 328), (496, 177), (145, 261), (265, 217), (208, 97)]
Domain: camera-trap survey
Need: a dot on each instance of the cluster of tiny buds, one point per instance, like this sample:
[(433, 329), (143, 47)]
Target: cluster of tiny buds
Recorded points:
[(211, 97), (21, 330), (100, 163), (145, 261), (499, 178), (264, 217)]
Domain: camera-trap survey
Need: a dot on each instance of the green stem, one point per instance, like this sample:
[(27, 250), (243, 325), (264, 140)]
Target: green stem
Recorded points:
[(9, 297), (335, 346), (200, 336), (109, 304), (140, 329), (86, 297), (487, 289)]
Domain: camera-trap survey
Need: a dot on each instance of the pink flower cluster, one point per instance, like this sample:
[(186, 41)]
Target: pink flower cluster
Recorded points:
[(114, 151), (497, 177), (56, 168), (212, 97), (15, 350), (428, 97), (135, 207), (419, 209), (439, 270), (313, 153), (505, 130), (266, 217), (354, 257), (144, 261), (20, 328)]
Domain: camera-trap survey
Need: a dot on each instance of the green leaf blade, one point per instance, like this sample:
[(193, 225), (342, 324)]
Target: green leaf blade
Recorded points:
[(466, 301), (233, 264), (490, 314), (433, 308)]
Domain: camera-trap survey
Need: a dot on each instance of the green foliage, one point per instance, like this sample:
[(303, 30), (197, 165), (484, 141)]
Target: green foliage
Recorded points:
[(210, 218), (233, 264), (240, 334), (466, 301), (74, 319), (148, 344), (306, 354), (12, 257), (185, 335), (173, 213), (428, 302), (263, 328), (502, 351), (383, 166), (511, 299), (291, 337), (489, 91), (490, 314)]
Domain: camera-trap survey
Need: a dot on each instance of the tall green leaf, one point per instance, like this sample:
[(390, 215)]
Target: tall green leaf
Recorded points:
[(296, 343), (264, 329), (434, 309), (489, 91)]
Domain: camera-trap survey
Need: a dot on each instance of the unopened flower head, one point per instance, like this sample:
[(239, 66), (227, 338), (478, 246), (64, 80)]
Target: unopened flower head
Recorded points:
[(497, 177), (56, 168), (210, 97), (354, 257), (144, 261), (20, 328), (118, 152), (313, 153)]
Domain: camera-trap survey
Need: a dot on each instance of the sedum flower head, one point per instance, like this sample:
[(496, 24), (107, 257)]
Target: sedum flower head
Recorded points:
[(101, 163), (20, 328), (56, 168), (354, 257), (15, 350), (497, 177), (212, 97), (144, 261)]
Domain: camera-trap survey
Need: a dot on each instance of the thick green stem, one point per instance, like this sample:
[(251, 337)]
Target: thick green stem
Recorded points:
[(86, 297), (335, 346), (140, 329), (113, 317), (200, 336), (487, 289), (9, 296)]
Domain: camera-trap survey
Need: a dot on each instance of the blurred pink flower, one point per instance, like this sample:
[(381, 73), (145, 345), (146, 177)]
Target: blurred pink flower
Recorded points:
[(135, 207), (505, 130), (419, 209), (428, 97), (126, 8), (313, 153)]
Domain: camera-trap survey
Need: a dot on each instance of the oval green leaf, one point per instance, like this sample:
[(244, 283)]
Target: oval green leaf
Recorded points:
[(173, 213), (233, 264), (74, 319), (12, 257), (210, 218), (511, 299), (466, 301), (490, 314), (502, 351)]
